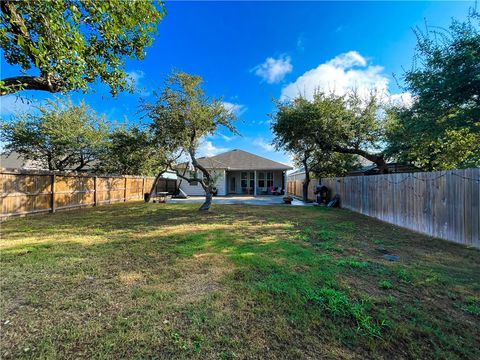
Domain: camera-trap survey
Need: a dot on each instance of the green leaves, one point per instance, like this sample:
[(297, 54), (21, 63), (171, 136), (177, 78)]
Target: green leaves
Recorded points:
[(442, 128), (58, 136), (78, 41), (131, 151), (183, 114), (330, 129)]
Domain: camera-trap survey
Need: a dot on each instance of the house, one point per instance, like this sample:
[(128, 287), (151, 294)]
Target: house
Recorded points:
[(14, 160), (370, 169), (297, 175), (391, 168), (241, 172)]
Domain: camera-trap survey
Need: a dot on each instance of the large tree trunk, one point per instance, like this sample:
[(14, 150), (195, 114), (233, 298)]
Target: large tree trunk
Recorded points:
[(154, 185), (208, 200), (306, 182), (206, 182)]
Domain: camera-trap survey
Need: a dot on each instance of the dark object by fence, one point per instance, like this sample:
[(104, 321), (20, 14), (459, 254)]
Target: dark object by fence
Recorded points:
[(443, 204), (323, 194), (287, 199), (335, 202), (146, 197)]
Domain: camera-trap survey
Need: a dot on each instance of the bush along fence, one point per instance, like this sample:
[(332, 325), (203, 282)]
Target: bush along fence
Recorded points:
[(443, 204), (28, 192)]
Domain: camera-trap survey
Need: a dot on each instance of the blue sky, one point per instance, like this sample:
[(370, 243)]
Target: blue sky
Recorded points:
[(250, 53)]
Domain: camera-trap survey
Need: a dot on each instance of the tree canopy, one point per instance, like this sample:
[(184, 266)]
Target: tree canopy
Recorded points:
[(73, 43), (331, 129), (441, 129), (181, 117), (131, 151), (58, 136)]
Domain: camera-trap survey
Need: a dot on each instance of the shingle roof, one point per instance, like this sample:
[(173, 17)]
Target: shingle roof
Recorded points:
[(241, 160)]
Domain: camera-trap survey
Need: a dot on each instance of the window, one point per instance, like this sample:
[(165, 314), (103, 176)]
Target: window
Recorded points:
[(252, 180), (244, 180), (261, 179), (269, 179)]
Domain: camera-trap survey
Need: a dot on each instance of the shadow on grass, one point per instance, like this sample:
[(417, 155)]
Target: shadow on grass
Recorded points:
[(106, 278)]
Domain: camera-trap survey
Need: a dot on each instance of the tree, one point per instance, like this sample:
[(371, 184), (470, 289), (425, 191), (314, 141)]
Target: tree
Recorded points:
[(348, 124), (293, 130), (441, 129), (73, 43), (181, 117), (131, 151), (58, 136), (289, 127), (331, 164)]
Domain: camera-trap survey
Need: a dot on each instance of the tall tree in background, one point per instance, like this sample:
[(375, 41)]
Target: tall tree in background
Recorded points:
[(290, 129), (131, 151), (181, 117), (72, 43), (58, 136), (331, 164), (441, 129), (350, 125)]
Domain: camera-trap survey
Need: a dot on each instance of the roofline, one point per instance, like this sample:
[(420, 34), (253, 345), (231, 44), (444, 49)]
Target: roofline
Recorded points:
[(263, 169)]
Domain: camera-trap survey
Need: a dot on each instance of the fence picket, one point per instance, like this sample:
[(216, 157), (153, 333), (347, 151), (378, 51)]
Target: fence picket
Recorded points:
[(444, 204), (27, 192)]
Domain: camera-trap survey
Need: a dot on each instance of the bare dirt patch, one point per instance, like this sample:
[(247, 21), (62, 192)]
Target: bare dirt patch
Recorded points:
[(199, 277)]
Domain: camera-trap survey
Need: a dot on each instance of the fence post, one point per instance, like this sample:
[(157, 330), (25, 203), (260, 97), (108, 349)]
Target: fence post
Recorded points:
[(52, 190), (94, 191), (125, 190)]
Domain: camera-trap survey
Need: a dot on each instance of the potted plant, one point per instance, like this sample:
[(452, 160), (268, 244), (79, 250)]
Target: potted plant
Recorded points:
[(287, 199)]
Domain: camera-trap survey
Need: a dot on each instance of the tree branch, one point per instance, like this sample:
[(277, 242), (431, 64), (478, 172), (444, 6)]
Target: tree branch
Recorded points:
[(18, 27), (379, 160), (18, 83)]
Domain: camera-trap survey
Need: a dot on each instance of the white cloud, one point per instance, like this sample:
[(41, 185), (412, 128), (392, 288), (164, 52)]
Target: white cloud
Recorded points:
[(339, 75), (226, 138), (402, 99), (136, 76), (260, 142), (237, 109), (274, 70), (207, 148)]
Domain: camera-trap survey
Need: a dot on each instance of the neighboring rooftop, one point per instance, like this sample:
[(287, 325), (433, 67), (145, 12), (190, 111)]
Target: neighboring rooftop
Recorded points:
[(241, 160)]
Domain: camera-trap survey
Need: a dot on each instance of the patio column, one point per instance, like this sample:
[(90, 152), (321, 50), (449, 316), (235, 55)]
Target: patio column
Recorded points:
[(285, 183), (255, 183)]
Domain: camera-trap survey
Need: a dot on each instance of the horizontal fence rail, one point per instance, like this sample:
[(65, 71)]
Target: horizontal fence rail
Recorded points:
[(26, 192), (444, 204)]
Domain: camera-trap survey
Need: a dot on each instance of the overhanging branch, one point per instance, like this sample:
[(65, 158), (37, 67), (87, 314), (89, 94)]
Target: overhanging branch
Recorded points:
[(17, 83)]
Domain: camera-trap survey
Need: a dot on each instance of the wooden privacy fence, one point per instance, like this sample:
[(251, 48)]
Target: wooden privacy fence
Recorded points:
[(28, 192), (444, 204)]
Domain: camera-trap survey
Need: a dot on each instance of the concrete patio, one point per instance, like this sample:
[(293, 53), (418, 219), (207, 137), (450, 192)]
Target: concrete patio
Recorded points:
[(242, 200)]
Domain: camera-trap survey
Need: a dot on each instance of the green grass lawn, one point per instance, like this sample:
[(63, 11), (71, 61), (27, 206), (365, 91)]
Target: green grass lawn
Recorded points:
[(165, 281)]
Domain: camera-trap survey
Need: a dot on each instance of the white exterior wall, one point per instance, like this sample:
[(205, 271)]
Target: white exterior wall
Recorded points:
[(197, 190), (297, 177), (277, 179)]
